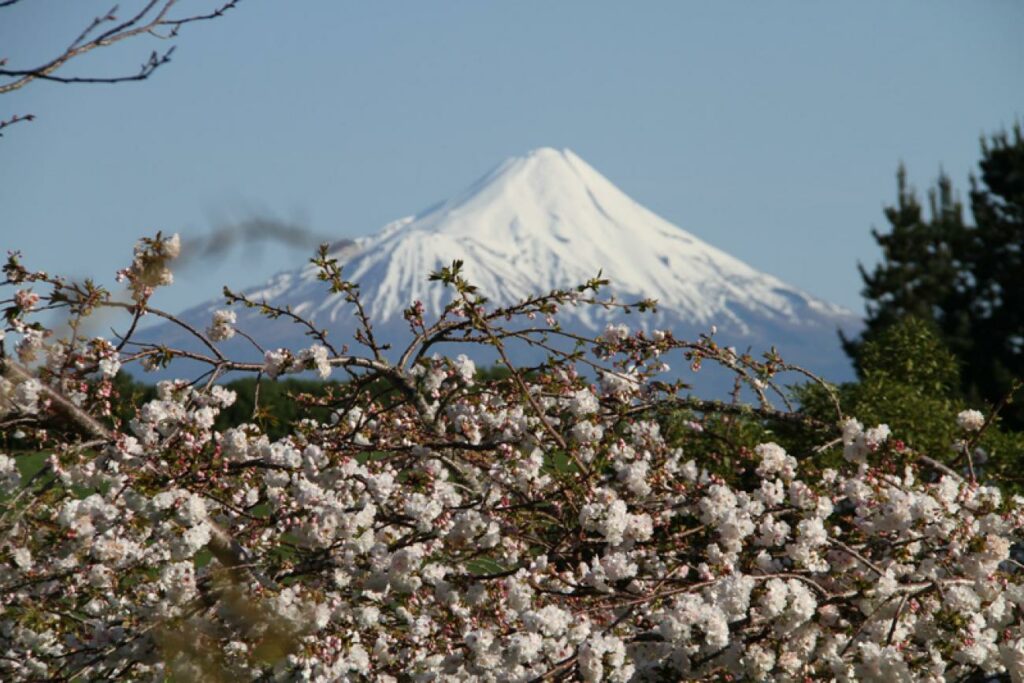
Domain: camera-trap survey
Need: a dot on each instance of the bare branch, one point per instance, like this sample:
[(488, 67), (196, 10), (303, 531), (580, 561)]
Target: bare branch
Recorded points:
[(16, 118), (149, 20)]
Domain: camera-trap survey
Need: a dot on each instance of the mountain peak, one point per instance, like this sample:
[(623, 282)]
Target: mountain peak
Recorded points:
[(547, 220), (541, 165), (551, 160), (546, 153), (543, 183), (549, 163)]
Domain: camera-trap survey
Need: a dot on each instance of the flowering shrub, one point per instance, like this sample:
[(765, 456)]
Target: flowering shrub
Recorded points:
[(539, 525)]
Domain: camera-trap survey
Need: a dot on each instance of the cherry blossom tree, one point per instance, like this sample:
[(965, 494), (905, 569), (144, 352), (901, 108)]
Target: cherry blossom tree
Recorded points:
[(550, 523)]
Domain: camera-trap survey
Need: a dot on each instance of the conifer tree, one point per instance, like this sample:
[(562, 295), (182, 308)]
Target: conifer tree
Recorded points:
[(921, 270), (966, 280), (997, 267)]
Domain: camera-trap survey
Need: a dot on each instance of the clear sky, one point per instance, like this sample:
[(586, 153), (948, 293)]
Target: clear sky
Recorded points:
[(770, 129)]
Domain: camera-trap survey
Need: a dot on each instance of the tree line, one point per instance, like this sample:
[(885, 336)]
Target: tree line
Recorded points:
[(961, 280)]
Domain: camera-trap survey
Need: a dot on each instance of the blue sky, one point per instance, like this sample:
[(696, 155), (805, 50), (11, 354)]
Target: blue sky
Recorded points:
[(771, 130)]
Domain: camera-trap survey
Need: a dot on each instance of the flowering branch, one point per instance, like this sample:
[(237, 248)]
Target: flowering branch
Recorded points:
[(581, 519)]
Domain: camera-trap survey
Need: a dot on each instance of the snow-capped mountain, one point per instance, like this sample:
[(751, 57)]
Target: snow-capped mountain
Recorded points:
[(543, 221)]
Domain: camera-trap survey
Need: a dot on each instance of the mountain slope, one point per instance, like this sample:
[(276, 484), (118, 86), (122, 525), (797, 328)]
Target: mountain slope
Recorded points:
[(547, 220)]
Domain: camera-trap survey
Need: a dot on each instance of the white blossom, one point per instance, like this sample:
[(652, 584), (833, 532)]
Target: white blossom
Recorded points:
[(573, 520), (223, 326), (970, 420)]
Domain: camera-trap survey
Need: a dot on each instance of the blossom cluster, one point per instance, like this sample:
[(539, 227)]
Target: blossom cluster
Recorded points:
[(151, 266), (282, 361), (538, 525), (222, 328)]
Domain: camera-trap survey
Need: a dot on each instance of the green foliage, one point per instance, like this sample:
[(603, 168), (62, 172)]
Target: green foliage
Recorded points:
[(131, 394), (278, 408), (911, 352), (966, 280), (911, 381), (996, 354), (731, 433)]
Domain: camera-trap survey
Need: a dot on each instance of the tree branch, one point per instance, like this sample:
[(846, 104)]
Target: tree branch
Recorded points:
[(152, 17), (16, 118)]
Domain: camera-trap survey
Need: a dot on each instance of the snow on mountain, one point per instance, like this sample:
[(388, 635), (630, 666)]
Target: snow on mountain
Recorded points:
[(548, 220)]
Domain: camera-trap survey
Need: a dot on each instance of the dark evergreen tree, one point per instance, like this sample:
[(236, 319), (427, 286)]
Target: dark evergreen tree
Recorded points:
[(920, 267), (966, 280), (996, 357)]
